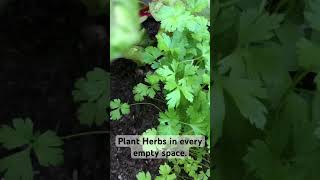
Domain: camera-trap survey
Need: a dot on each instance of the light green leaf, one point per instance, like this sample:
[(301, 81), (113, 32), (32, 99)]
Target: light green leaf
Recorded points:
[(173, 98), (143, 176), (151, 54)]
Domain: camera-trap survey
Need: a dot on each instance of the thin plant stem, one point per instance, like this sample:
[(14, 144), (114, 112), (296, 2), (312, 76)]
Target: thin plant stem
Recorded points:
[(146, 104), (295, 82), (84, 134)]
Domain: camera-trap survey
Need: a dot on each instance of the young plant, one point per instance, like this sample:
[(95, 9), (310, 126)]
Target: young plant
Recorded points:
[(93, 94), (21, 138), (181, 63)]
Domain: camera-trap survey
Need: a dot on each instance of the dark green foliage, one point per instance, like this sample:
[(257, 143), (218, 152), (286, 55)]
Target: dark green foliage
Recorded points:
[(92, 92), (266, 123), (47, 148)]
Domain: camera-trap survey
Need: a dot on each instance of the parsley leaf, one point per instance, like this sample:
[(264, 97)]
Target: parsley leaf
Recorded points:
[(165, 171), (92, 92), (151, 54), (118, 109), (245, 96), (308, 53), (143, 176), (256, 26), (17, 166), (47, 148), (19, 135)]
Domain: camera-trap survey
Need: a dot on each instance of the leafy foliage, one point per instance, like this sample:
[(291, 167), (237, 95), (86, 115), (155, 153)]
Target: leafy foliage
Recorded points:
[(118, 109), (143, 176), (264, 117), (92, 92), (181, 65), (164, 171), (46, 146)]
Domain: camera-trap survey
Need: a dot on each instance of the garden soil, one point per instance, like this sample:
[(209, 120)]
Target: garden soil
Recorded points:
[(124, 76)]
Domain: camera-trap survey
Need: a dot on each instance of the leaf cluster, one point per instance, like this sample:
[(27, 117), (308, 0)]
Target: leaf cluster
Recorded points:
[(181, 65), (92, 92), (262, 53), (46, 146)]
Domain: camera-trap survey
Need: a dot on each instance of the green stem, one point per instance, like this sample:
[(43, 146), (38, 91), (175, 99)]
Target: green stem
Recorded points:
[(146, 104), (160, 100), (295, 82), (84, 134)]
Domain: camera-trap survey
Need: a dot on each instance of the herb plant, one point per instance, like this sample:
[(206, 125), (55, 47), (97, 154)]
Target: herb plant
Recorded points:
[(46, 146), (265, 116), (181, 65), (93, 94)]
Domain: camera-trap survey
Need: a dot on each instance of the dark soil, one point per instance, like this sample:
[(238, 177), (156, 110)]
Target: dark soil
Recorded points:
[(44, 47), (124, 76)]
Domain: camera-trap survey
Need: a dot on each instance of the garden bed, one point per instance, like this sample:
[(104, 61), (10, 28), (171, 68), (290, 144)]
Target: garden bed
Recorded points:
[(124, 76)]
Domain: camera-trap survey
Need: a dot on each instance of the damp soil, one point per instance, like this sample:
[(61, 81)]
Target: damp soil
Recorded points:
[(124, 76), (44, 47)]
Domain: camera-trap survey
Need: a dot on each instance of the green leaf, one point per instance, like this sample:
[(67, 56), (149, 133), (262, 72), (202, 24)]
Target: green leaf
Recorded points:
[(47, 149), (166, 72), (118, 109), (312, 14), (245, 94), (93, 112), (94, 86), (151, 54), (169, 123), (174, 45), (197, 5), (141, 90), (186, 90), (115, 114), (173, 98), (256, 26), (165, 169), (19, 135), (92, 92), (143, 176), (263, 163), (172, 18), (125, 109), (308, 54), (17, 166)]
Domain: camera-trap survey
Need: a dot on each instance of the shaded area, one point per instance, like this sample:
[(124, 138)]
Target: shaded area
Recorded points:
[(44, 47)]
